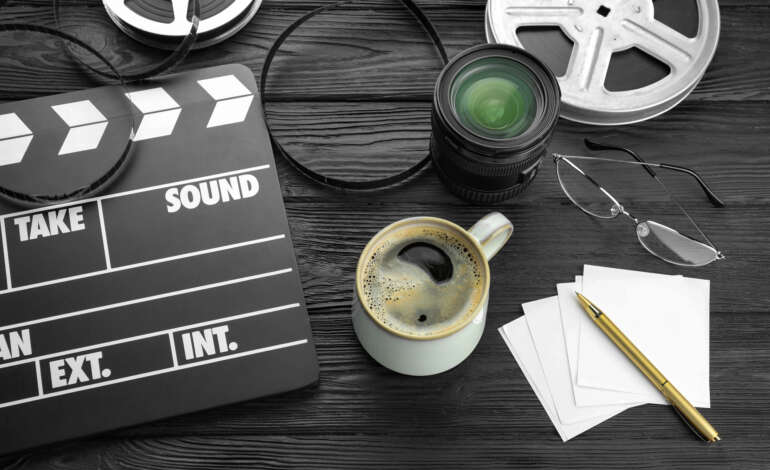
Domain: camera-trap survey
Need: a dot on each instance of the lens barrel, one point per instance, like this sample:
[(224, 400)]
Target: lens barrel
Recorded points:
[(494, 110)]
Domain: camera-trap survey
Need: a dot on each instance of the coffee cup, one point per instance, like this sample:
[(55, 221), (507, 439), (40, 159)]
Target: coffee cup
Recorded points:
[(422, 289)]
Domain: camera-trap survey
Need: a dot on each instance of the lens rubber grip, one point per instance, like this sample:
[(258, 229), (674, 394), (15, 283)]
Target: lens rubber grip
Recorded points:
[(468, 193), (455, 155)]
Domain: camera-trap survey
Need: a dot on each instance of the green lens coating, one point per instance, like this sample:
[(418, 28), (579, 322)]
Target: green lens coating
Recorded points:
[(494, 97)]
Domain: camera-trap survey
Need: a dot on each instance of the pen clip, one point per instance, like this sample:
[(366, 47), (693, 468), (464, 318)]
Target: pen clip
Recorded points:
[(687, 422)]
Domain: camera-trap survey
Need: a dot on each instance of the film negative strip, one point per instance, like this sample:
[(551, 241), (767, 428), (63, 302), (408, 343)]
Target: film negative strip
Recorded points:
[(86, 124), (318, 175), (182, 25), (179, 49)]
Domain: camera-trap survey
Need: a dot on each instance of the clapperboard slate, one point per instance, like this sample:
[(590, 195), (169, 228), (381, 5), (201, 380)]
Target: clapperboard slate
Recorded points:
[(176, 289)]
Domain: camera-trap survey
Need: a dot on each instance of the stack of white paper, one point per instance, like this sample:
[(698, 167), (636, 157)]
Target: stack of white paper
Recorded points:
[(580, 376)]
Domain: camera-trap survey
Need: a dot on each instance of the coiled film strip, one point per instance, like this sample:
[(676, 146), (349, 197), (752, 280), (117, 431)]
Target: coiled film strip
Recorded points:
[(229, 17), (87, 124), (317, 176)]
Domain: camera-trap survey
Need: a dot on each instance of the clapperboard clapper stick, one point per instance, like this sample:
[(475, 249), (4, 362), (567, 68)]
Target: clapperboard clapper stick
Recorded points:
[(173, 291)]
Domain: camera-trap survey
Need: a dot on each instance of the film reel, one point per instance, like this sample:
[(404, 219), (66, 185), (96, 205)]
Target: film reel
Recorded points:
[(163, 23), (599, 29)]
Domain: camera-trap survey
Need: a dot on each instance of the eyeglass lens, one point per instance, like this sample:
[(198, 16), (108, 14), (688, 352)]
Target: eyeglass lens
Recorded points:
[(583, 192), (660, 240), (670, 245)]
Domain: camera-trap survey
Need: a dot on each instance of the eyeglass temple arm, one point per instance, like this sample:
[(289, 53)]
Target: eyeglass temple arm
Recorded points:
[(592, 145)]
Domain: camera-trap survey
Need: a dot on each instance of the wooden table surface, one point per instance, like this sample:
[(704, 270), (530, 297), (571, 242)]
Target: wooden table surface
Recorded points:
[(356, 86)]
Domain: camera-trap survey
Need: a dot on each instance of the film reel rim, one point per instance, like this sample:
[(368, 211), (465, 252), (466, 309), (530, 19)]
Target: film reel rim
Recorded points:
[(651, 100), (209, 32)]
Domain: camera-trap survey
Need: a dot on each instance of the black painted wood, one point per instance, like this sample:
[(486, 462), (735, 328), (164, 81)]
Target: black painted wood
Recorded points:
[(356, 86)]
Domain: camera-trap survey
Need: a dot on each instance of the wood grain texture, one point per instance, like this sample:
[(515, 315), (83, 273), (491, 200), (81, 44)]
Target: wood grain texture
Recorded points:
[(352, 54), (353, 89), (720, 141)]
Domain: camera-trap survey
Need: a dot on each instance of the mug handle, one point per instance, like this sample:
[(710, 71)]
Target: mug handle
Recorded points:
[(492, 231)]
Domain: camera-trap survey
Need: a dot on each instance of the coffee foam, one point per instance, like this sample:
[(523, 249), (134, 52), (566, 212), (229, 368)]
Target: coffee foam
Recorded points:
[(405, 298)]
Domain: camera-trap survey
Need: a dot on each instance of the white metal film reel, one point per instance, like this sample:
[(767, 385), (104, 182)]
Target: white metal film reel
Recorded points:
[(139, 20), (600, 28)]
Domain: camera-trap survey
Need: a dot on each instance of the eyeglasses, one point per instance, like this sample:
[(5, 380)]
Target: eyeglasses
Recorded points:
[(664, 242)]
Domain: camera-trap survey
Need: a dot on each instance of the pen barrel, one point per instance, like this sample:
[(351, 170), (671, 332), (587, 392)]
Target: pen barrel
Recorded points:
[(689, 413), (631, 351)]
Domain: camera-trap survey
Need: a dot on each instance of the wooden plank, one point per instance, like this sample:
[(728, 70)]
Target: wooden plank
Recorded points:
[(517, 449), (349, 139), (481, 395), (355, 54), (309, 4), (359, 406), (551, 243)]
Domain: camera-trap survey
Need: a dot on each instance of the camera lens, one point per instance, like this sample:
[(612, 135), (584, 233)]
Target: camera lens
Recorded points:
[(494, 98), (494, 110)]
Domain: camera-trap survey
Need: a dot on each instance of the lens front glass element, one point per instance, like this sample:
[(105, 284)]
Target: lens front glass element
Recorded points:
[(494, 97)]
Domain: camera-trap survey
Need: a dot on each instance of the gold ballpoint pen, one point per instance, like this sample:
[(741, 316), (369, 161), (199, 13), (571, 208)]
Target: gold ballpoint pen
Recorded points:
[(685, 409)]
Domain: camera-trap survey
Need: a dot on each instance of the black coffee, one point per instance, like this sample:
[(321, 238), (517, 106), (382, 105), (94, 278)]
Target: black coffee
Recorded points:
[(421, 280), (431, 259)]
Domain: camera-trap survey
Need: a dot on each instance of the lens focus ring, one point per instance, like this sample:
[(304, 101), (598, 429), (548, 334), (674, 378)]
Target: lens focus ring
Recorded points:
[(494, 111)]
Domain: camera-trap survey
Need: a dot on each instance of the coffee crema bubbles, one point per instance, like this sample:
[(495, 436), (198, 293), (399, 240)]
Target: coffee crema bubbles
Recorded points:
[(422, 280)]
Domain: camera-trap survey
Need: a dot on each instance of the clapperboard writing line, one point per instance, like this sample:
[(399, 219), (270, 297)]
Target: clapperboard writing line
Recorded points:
[(5, 254), (146, 299), (169, 331), (104, 240), (171, 343), (143, 375), (146, 263), (110, 269), (39, 378)]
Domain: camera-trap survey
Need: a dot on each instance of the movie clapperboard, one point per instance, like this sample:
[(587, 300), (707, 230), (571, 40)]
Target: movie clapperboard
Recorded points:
[(175, 289)]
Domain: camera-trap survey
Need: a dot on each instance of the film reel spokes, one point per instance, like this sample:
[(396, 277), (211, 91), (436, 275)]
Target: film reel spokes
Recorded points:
[(163, 24), (600, 28)]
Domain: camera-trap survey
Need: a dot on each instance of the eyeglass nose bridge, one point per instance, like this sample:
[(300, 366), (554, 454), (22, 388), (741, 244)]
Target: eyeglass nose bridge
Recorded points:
[(618, 209)]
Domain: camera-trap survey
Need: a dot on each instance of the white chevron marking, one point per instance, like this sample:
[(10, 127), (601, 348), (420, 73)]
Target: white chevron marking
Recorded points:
[(12, 126), (15, 138), (79, 113), (233, 100), (13, 150), (158, 124), (222, 88), (83, 138), (152, 100), (87, 125), (160, 110), (230, 111)]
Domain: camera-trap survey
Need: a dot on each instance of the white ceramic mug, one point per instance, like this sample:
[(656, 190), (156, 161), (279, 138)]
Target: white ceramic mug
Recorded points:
[(428, 355)]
